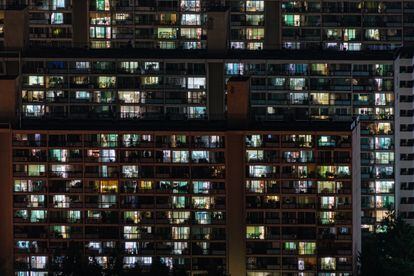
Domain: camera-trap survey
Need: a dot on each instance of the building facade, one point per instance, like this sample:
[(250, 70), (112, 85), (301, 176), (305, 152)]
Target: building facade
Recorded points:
[(300, 88), (177, 195), (187, 24), (404, 133), (177, 192)]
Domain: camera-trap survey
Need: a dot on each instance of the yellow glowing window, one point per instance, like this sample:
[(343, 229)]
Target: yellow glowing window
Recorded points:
[(150, 80), (255, 232), (320, 98), (145, 185), (109, 186), (307, 248)]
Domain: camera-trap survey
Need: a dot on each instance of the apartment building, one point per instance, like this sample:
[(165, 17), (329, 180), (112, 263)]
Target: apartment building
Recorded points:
[(168, 124), (186, 24), (88, 85), (404, 133), (270, 200)]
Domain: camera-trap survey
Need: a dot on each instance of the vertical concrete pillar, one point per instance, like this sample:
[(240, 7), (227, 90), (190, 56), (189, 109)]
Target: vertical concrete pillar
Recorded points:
[(80, 23), (215, 102), (218, 28), (236, 227), (8, 103), (238, 101), (6, 202), (356, 194), (273, 23), (16, 28)]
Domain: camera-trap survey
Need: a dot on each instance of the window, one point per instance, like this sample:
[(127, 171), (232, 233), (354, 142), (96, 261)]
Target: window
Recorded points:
[(384, 157), (37, 216), (100, 32), (234, 68), (255, 232), (106, 82), (372, 34), (167, 33), (58, 4), (108, 186), (349, 34), (36, 80), (196, 112), (130, 171), (196, 83), (326, 187), (33, 110), (201, 187), (202, 217), (291, 20), (57, 18), (384, 186), (319, 98), (180, 233), (168, 18), (129, 66), (103, 5), (36, 170), (38, 262), (297, 84), (190, 19), (254, 33), (255, 186), (100, 18), (200, 156), (254, 6), (289, 246), (190, 5), (328, 263)]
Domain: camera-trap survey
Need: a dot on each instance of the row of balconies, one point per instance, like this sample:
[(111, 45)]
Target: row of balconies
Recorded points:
[(178, 172), (213, 158), (345, 8), (136, 140)]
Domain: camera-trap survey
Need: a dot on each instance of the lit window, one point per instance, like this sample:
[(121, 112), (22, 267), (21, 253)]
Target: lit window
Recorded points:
[(36, 80), (372, 34), (167, 33), (255, 232), (292, 20), (196, 83), (57, 18), (103, 5), (201, 187), (180, 233), (255, 6), (289, 246), (190, 19), (328, 263), (58, 4), (254, 33)]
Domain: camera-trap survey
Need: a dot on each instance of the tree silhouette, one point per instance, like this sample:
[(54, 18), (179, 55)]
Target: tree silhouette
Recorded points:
[(75, 262), (389, 252), (158, 268)]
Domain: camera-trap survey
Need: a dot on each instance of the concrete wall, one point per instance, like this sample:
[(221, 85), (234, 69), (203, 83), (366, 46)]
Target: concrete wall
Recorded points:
[(16, 29), (215, 91), (238, 95), (80, 23), (236, 237), (356, 195), (6, 204), (272, 25), (217, 30), (8, 103)]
